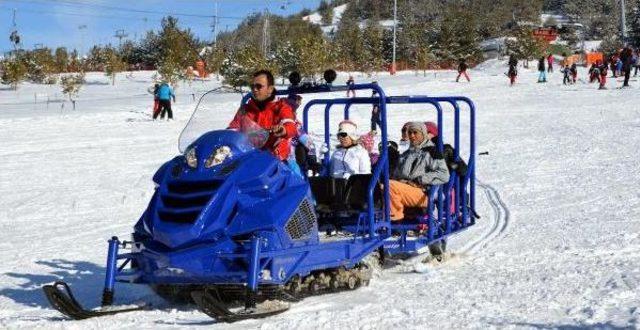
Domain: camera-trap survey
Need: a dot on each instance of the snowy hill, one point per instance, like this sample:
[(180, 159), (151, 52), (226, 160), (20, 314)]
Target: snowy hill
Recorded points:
[(558, 245), (316, 18)]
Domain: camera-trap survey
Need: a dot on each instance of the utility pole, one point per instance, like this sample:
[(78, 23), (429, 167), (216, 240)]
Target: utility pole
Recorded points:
[(120, 34), (15, 37), (623, 23), (265, 33), (214, 25), (395, 23), (82, 28)]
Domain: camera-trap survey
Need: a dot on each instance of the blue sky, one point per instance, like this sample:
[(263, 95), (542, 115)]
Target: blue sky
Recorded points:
[(82, 23)]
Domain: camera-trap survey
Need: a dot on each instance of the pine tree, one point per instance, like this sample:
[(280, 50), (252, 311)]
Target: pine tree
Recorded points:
[(423, 58), (326, 12), (372, 43), (95, 59), (213, 59), (313, 56), (458, 37), (238, 67), (178, 51), (71, 84), (40, 66), (113, 63), (13, 72), (287, 58), (525, 46), (61, 59), (634, 25)]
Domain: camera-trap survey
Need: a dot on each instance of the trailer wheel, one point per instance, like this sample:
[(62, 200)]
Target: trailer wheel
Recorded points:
[(352, 282), (314, 287), (334, 284)]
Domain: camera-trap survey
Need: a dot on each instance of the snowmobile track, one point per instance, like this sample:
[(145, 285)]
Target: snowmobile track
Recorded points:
[(500, 219)]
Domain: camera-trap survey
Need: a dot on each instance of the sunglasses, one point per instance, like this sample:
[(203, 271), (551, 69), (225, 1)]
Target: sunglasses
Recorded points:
[(342, 135), (414, 132), (257, 86)]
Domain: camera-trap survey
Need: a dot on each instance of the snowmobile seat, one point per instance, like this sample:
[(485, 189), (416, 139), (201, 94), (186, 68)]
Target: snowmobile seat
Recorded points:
[(333, 195), (328, 192), (357, 193)]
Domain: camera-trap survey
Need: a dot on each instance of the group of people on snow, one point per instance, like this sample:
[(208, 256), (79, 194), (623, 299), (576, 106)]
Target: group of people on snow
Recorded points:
[(412, 171), (620, 64), (162, 96)]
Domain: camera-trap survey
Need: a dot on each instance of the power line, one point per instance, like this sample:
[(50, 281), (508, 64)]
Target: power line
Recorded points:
[(115, 8)]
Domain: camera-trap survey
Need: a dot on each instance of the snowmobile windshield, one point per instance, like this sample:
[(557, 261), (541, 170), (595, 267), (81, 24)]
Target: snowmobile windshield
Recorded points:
[(214, 111)]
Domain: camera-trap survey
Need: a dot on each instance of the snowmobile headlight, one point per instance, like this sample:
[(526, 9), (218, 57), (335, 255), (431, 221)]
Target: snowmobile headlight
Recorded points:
[(192, 159), (218, 156)]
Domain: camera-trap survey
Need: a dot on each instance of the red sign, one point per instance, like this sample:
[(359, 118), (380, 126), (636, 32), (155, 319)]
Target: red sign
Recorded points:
[(547, 34)]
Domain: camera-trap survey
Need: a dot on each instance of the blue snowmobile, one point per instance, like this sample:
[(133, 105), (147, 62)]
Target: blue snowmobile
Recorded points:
[(234, 230)]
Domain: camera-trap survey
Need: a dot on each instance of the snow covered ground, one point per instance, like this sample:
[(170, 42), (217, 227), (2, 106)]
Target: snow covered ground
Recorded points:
[(558, 244)]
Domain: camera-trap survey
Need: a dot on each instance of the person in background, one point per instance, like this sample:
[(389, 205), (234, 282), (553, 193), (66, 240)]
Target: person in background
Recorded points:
[(550, 63), (603, 74), (636, 62), (156, 103), (462, 70), (375, 115), (594, 72), (350, 83), (566, 75), (165, 95), (513, 70), (542, 75), (574, 72), (626, 58)]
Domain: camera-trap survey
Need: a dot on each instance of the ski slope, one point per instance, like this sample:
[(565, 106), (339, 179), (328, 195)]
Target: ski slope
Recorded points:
[(558, 244)]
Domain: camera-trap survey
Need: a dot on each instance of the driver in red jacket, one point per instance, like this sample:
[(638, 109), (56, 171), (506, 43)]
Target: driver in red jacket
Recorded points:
[(275, 116)]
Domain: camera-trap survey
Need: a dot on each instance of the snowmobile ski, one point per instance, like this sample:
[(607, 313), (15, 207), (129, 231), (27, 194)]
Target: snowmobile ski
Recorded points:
[(213, 307), (60, 296)]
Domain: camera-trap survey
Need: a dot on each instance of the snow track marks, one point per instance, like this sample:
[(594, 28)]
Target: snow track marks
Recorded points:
[(499, 221)]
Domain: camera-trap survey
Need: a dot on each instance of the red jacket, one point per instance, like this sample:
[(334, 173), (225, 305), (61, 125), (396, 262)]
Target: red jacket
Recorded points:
[(268, 115)]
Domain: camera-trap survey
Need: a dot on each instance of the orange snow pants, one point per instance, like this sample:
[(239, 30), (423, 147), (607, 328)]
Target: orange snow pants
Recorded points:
[(403, 195)]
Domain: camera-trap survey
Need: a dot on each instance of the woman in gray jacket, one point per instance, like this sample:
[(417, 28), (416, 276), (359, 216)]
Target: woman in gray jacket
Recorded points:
[(418, 167)]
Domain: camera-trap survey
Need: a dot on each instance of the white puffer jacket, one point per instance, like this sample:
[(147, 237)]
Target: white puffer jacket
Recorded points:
[(348, 161)]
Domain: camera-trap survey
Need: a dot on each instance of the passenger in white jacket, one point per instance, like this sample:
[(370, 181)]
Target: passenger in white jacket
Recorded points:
[(350, 157)]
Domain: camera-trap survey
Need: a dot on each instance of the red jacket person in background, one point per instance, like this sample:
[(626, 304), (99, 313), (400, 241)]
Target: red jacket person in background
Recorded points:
[(275, 116)]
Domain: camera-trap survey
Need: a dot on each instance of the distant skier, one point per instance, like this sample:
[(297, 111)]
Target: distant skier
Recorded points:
[(165, 94), (603, 75), (542, 76), (626, 58), (574, 72), (513, 70), (375, 115), (550, 63), (612, 65), (618, 67), (350, 83), (156, 103), (566, 79), (462, 70), (594, 71), (636, 62)]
